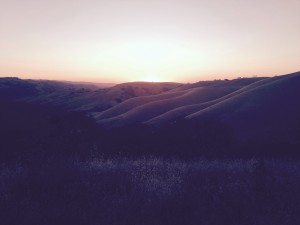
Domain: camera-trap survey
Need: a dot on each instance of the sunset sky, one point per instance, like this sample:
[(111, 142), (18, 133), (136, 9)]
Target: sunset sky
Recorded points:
[(159, 40)]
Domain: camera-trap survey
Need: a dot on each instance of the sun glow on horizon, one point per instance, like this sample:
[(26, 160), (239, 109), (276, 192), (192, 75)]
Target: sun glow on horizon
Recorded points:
[(152, 78), (124, 41), (152, 59)]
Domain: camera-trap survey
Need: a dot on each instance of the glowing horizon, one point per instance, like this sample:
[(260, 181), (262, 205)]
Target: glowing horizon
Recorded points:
[(121, 41)]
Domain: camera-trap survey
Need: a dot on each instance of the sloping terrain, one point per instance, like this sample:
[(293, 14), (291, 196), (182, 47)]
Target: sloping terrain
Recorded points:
[(210, 118), (193, 101), (245, 117), (270, 111), (77, 96), (253, 108), (84, 99), (184, 111), (143, 109)]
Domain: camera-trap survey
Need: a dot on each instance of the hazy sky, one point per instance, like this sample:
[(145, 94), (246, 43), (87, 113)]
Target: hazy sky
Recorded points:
[(170, 40)]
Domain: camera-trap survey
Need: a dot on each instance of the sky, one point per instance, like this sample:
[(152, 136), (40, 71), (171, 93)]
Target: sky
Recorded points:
[(152, 40)]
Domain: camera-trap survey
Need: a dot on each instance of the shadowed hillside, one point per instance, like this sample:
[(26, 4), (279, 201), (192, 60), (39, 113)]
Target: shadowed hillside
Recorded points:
[(208, 118), (77, 96), (244, 117), (141, 109), (214, 152), (270, 112), (248, 103)]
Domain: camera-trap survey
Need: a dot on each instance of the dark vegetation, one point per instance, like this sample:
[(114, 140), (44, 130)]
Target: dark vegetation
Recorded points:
[(60, 167), (187, 139), (32, 130), (151, 191)]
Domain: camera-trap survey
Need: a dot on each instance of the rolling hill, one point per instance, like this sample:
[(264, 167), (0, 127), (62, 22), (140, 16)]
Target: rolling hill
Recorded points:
[(270, 111), (77, 96), (258, 114), (184, 98), (261, 111), (194, 100)]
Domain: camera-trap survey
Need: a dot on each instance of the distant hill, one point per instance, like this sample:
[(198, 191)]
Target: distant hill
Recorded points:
[(177, 103), (78, 96), (247, 116), (268, 111), (211, 118)]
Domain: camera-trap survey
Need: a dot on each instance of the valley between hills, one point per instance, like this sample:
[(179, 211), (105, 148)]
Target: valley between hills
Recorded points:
[(212, 152)]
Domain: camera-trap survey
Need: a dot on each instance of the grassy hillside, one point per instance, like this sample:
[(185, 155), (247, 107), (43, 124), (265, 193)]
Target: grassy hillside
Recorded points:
[(214, 153), (77, 96), (140, 110)]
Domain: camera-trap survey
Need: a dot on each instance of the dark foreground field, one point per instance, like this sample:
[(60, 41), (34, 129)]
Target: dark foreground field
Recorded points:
[(151, 191)]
